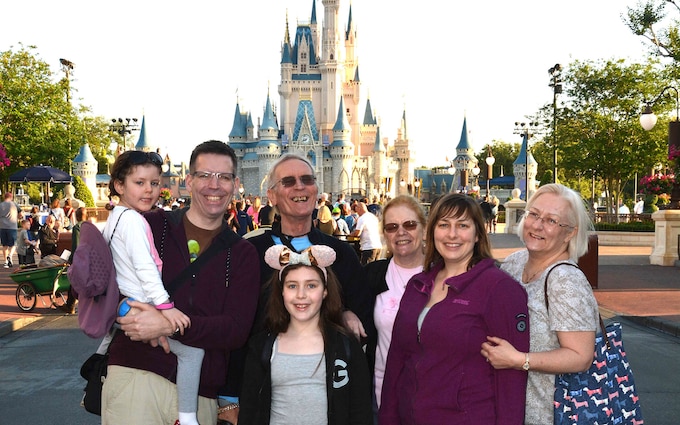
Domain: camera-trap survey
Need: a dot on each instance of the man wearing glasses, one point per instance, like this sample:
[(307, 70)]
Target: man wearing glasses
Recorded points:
[(292, 189), (219, 294)]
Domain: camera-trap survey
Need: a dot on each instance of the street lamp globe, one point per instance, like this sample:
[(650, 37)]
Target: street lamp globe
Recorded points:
[(476, 170), (648, 118), (490, 160)]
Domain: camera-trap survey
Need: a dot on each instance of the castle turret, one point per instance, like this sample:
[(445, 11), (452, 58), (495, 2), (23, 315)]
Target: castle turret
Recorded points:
[(85, 166), (142, 142), (268, 149), (525, 168), (342, 153), (465, 160)]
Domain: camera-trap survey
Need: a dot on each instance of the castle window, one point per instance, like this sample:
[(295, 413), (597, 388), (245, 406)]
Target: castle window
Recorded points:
[(303, 55), (303, 68)]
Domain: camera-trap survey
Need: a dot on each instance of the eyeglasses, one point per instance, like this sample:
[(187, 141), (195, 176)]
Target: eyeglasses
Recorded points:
[(407, 225), (549, 222), (141, 157), (206, 176), (290, 181)]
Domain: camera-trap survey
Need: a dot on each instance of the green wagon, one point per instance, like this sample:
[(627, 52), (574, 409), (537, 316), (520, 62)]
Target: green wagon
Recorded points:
[(39, 281)]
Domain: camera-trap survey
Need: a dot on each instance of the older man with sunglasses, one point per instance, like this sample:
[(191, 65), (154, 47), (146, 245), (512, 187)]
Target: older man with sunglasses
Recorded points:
[(292, 189)]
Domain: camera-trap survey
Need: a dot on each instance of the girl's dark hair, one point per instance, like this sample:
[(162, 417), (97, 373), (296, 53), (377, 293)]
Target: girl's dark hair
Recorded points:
[(277, 317), (126, 161), (458, 206)]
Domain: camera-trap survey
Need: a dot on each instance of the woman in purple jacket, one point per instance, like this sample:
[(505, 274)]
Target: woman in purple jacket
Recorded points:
[(435, 372)]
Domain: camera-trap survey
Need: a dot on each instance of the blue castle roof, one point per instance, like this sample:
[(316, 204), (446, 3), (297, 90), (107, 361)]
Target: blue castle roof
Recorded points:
[(84, 155)]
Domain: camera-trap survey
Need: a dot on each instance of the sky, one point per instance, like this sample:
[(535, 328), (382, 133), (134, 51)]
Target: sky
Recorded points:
[(183, 65)]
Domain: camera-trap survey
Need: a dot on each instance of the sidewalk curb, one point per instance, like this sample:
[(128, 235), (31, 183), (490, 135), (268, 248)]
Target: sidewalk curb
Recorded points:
[(9, 326), (657, 323), (652, 322)]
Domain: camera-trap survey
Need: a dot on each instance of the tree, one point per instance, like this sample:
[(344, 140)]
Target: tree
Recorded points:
[(599, 130), (505, 154), (32, 111), (648, 19), (37, 123), (82, 192)]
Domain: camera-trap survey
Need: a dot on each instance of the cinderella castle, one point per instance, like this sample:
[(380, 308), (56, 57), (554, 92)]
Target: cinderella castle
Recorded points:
[(319, 117)]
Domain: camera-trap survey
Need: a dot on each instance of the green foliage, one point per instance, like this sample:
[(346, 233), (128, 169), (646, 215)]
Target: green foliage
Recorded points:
[(83, 192), (504, 153), (649, 20), (650, 203), (634, 226), (37, 123), (33, 192), (598, 128)]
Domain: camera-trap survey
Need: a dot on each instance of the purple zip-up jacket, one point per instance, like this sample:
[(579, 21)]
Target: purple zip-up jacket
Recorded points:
[(221, 315), (438, 375)]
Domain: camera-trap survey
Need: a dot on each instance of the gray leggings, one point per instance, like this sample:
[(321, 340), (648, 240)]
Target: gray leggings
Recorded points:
[(189, 361)]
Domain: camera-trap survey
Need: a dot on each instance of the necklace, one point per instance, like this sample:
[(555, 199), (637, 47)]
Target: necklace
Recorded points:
[(531, 278), (397, 270), (541, 268)]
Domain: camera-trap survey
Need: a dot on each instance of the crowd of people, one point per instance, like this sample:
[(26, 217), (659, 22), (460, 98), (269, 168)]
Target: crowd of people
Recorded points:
[(220, 323), (33, 235)]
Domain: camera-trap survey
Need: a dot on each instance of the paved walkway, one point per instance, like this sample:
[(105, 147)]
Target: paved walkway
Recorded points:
[(628, 286)]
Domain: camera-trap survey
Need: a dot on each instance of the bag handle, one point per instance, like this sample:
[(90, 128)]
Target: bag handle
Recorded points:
[(116, 226), (547, 301)]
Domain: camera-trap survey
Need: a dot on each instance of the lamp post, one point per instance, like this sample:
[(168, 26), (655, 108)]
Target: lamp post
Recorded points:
[(475, 173), (417, 184), (648, 121), (452, 172), (67, 68), (490, 160), (240, 192), (525, 130), (123, 126), (556, 84)]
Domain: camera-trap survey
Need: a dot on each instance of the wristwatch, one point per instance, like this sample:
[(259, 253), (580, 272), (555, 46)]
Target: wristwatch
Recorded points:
[(526, 366)]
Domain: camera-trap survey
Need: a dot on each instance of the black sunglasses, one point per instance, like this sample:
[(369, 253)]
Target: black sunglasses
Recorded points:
[(407, 225), (290, 181), (141, 157)]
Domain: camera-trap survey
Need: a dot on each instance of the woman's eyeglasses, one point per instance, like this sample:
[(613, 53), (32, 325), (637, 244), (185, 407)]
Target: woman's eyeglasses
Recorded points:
[(407, 225), (141, 157), (549, 222), (290, 181)]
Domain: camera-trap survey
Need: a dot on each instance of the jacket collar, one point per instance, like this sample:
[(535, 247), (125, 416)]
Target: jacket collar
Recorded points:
[(423, 282)]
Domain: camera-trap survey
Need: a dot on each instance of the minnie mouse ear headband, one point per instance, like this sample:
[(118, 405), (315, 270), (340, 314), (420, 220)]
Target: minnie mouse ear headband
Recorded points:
[(280, 256)]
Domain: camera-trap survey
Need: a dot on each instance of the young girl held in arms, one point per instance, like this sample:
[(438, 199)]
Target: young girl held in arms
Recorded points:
[(135, 179)]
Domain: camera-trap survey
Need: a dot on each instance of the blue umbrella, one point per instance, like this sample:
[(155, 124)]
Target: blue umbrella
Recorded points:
[(41, 174)]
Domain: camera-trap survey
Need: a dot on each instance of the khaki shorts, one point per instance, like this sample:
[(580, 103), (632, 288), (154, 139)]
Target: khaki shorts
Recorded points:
[(137, 397)]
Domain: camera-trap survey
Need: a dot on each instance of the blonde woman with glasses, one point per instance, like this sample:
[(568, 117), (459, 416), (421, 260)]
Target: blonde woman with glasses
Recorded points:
[(554, 230), (403, 226)]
